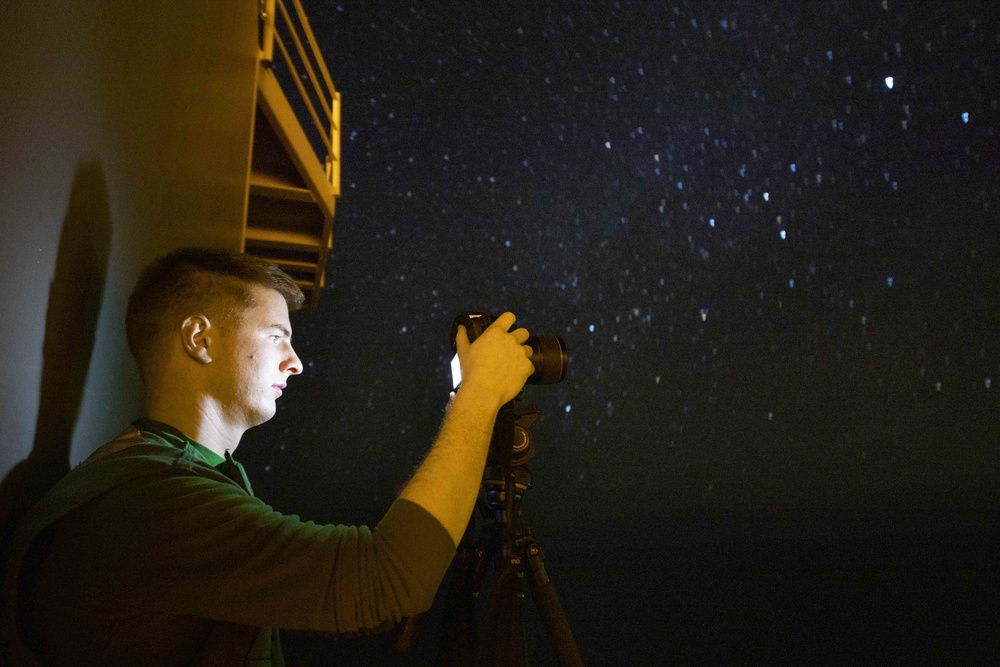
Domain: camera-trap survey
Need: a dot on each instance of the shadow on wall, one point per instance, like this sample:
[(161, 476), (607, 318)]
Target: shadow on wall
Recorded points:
[(70, 327)]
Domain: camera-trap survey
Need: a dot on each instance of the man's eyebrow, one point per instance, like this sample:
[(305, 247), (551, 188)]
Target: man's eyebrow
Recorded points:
[(282, 329)]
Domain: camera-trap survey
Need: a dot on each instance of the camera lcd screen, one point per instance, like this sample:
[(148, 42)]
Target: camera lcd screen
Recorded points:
[(456, 373)]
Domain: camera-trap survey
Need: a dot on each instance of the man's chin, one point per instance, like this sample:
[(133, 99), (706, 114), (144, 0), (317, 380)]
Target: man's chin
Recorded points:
[(263, 416)]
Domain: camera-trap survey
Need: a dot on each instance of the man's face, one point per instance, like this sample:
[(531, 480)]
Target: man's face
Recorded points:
[(256, 359)]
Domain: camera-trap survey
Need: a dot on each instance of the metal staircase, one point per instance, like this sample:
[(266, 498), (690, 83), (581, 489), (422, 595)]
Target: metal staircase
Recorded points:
[(294, 176)]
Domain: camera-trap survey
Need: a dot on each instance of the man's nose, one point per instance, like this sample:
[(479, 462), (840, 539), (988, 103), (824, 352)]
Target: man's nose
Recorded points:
[(292, 364)]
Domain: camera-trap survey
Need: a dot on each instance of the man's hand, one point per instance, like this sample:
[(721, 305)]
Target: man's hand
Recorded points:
[(495, 366)]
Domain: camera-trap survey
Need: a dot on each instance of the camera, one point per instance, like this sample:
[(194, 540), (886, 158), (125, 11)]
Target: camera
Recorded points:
[(548, 351)]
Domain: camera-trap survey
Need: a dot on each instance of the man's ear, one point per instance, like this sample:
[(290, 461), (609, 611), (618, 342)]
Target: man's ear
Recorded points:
[(197, 337)]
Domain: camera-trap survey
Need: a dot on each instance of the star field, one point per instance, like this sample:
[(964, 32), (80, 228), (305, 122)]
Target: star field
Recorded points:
[(767, 234)]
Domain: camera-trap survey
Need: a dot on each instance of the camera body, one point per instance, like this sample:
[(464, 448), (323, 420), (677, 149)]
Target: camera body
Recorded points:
[(548, 351)]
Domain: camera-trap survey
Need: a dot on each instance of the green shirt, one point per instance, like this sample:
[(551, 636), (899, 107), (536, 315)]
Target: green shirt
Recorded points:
[(151, 555)]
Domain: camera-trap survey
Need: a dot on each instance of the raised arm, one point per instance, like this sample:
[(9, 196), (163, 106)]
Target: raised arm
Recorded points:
[(494, 368)]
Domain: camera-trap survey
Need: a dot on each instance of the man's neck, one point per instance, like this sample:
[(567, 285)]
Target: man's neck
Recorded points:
[(200, 422)]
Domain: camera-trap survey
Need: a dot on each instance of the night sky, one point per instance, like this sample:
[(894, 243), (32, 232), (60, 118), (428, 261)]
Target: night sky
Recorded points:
[(768, 236)]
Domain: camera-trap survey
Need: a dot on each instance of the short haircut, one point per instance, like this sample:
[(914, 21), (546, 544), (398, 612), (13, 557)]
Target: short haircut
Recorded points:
[(191, 280)]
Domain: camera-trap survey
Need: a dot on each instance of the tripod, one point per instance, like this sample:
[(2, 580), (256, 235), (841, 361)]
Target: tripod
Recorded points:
[(505, 540)]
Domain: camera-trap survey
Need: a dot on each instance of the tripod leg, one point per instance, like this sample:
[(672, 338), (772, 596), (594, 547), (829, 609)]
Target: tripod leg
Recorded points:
[(502, 640), (549, 608), (457, 646)]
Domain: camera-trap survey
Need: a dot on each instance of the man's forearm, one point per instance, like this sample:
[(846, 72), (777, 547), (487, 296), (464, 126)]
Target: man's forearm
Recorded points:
[(447, 483)]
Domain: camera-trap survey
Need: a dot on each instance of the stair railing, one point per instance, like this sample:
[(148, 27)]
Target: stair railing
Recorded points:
[(321, 99)]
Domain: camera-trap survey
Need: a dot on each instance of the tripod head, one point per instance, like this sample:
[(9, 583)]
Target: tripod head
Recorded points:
[(512, 447)]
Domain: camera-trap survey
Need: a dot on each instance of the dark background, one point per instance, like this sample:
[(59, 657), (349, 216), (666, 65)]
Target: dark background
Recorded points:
[(777, 278)]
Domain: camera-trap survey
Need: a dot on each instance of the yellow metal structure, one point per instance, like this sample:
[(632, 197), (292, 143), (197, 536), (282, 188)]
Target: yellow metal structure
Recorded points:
[(294, 175)]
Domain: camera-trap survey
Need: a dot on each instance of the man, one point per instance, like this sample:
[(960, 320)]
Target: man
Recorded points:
[(154, 550)]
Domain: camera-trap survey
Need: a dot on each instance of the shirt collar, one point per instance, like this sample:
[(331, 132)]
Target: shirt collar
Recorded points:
[(178, 439)]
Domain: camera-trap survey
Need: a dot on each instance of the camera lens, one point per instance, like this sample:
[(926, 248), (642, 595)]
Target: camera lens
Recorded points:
[(548, 354)]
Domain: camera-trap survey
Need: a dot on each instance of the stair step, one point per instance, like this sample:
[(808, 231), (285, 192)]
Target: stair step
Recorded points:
[(281, 238), (268, 218), (270, 185)]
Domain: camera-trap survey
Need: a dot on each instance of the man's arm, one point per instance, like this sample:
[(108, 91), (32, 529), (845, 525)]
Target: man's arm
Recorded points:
[(494, 369)]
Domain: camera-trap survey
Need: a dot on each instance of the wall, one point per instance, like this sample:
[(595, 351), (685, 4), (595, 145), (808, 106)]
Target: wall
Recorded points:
[(126, 133)]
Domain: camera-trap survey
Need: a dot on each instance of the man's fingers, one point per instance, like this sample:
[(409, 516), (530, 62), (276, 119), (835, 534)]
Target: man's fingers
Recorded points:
[(462, 340), (505, 321)]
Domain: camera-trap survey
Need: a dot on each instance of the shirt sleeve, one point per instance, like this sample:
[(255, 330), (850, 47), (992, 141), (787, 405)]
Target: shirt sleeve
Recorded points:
[(186, 544)]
